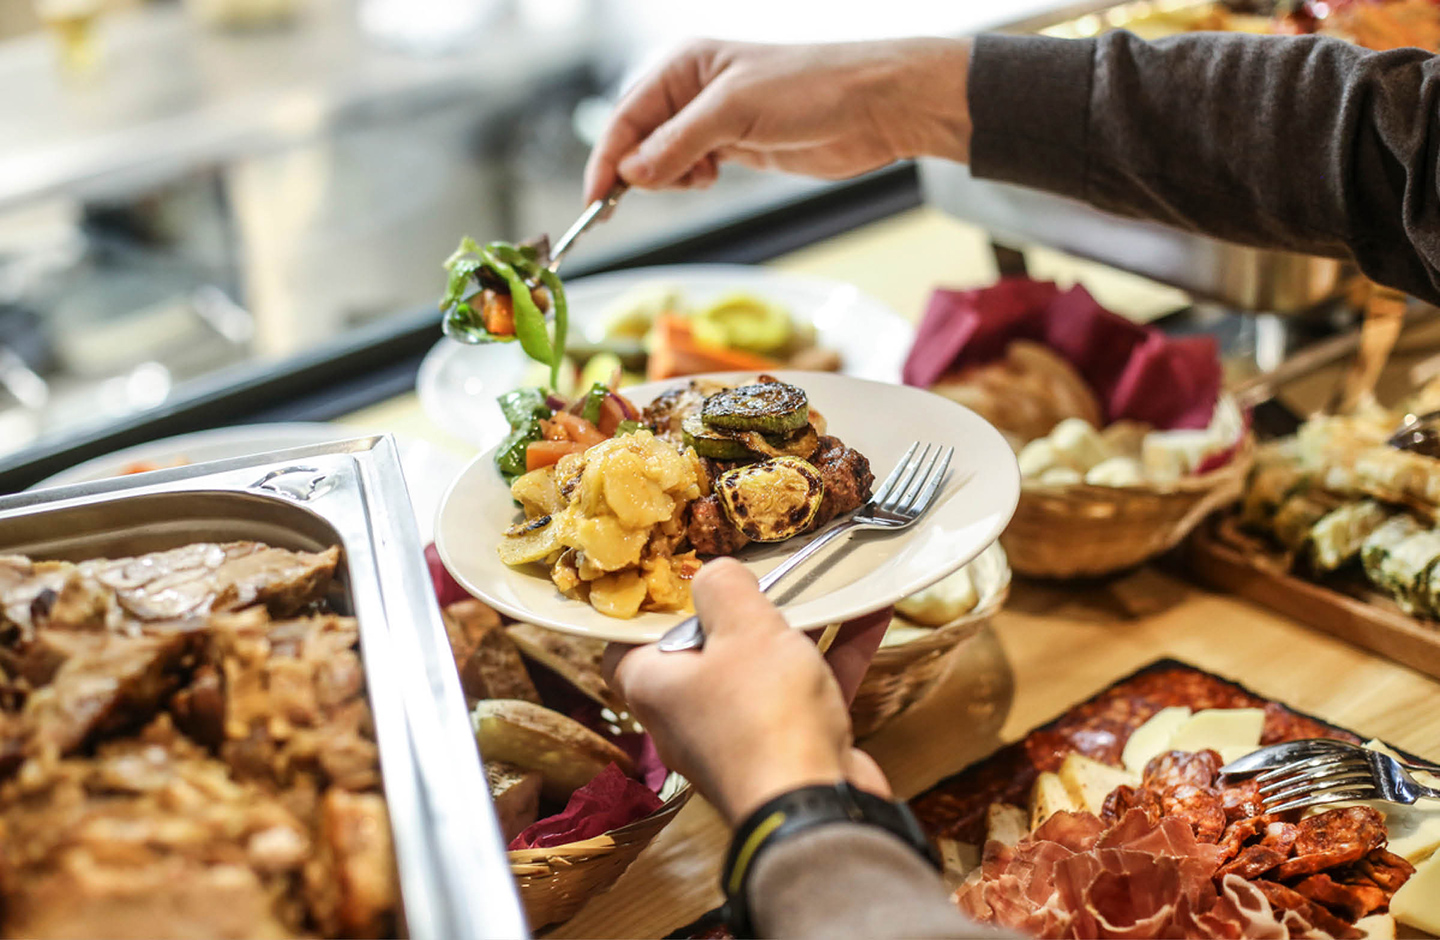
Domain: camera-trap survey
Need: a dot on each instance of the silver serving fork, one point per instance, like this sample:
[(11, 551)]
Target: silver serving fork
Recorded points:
[(1340, 777), (906, 494), (1290, 752)]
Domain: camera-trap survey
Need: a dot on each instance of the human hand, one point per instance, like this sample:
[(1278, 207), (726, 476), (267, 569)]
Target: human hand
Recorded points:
[(757, 711), (829, 110)]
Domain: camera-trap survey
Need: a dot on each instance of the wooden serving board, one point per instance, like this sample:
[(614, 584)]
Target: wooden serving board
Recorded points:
[(1374, 623)]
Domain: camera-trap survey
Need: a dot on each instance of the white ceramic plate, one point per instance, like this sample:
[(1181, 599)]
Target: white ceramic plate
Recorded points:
[(428, 469), (867, 572), (458, 384)]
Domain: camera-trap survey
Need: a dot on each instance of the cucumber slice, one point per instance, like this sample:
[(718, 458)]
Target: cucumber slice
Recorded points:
[(772, 500), (767, 407)]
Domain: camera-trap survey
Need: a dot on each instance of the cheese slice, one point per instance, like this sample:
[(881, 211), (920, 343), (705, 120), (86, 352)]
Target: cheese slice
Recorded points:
[(1090, 781), (1220, 729), (1417, 903), (1048, 797), (1153, 737), (1377, 927)]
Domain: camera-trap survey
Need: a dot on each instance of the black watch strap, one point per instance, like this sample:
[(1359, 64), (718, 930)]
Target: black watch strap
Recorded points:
[(799, 810)]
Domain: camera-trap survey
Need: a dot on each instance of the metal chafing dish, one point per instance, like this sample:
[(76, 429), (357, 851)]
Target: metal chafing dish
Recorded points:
[(1247, 278), (454, 878)]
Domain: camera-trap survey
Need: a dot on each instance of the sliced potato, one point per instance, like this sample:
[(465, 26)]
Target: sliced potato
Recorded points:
[(1090, 781), (538, 493), (619, 594), (532, 540), (1153, 737), (1049, 796)]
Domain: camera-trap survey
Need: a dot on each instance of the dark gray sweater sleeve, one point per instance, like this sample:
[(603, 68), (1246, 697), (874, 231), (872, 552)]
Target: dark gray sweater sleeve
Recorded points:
[(1302, 143), (849, 880)]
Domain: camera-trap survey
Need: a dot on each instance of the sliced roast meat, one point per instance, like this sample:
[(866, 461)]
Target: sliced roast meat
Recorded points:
[(108, 683), (177, 585)]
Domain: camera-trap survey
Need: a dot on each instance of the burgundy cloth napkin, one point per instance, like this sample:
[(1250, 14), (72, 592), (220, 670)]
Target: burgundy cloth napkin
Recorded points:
[(609, 801), (1138, 373)]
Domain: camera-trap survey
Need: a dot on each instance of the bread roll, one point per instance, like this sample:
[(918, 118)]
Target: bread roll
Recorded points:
[(565, 752), (576, 659), (488, 660), (515, 792)]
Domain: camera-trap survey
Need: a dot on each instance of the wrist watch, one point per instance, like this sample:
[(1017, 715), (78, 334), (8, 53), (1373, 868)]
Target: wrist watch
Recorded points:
[(799, 810)]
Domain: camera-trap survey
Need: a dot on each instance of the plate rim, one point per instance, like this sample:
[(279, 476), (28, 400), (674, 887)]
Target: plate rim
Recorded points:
[(1011, 479), (444, 349)]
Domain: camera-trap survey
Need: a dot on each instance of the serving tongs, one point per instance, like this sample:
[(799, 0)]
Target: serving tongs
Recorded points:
[(598, 211)]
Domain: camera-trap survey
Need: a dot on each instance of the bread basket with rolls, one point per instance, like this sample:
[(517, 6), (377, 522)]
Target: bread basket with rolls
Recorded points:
[(1124, 436), (578, 789), (927, 633)]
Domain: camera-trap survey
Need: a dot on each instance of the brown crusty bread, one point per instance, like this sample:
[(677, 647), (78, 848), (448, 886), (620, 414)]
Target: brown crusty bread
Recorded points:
[(567, 753), (489, 662), (576, 659), (515, 792), (1026, 393)]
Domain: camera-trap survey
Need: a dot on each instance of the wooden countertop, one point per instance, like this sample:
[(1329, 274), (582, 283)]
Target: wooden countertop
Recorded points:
[(1053, 645)]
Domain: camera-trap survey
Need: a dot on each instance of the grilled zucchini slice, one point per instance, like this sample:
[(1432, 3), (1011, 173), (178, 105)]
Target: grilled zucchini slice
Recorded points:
[(767, 407), (772, 500), (719, 444), (712, 442)]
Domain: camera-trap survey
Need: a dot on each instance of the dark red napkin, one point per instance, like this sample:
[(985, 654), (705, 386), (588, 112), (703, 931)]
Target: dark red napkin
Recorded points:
[(608, 802), (1137, 372)]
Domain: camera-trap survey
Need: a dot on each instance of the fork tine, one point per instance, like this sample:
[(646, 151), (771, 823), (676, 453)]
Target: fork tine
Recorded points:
[(899, 491), (1310, 770), (1323, 797), (1301, 766), (1329, 781), (926, 496), (883, 493), (912, 492)]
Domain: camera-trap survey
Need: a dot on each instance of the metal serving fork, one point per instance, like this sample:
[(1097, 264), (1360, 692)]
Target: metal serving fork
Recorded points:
[(1292, 752), (1339, 777), (904, 497)]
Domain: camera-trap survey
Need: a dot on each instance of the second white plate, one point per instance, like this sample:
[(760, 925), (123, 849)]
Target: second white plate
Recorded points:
[(867, 572), (458, 384)]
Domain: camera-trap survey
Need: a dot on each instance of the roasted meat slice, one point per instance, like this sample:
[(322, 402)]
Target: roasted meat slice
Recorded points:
[(181, 584), (107, 683)]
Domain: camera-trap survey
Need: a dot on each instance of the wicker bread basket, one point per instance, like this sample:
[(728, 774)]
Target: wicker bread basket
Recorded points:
[(1079, 530), (556, 882), (899, 676)]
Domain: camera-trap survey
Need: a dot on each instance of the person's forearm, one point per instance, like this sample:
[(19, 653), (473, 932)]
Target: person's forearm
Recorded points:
[(851, 880), (1301, 143)]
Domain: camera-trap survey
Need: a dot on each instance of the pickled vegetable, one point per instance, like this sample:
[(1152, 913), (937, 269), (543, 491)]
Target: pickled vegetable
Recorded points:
[(772, 500), (767, 407)]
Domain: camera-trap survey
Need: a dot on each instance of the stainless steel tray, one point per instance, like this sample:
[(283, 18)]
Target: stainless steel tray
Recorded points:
[(455, 880), (1246, 278)]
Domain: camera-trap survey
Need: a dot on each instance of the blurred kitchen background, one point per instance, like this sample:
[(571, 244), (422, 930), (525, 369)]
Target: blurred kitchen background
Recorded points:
[(189, 190)]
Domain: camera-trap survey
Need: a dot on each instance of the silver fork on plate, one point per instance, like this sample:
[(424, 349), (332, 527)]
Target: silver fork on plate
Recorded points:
[(1340, 777), (1293, 752), (906, 494)]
